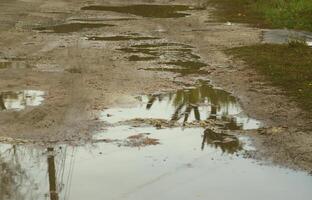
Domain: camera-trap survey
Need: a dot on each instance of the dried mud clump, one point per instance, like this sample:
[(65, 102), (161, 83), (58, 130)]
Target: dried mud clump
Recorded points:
[(140, 140)]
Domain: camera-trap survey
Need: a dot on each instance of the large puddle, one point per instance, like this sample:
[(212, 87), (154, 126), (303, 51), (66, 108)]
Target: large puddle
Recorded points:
[(21, 99), (185, 165), (145, 10), (284, 36), (131, 161)]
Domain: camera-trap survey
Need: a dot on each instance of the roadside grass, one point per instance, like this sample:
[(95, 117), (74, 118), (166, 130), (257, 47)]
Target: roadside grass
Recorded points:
[(292, 14), (288, 66)]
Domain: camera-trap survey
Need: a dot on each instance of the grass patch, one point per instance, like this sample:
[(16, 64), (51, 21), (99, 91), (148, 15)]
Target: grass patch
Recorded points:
[(293, 14), (287, 66)]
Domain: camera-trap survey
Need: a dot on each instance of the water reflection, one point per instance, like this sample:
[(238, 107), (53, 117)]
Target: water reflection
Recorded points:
[(201, 103), (21, 99), (32, 173), (227, 143), (95, 170), (52, 175)]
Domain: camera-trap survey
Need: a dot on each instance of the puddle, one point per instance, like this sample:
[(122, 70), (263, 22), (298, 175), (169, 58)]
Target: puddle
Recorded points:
[(196, 65), (227, 143), (177, 168), (172, 57), (180, 71), (71, 27), (284, 36), (145, 162), (145, 10), (21, 99), (100, 20), (141, 58), (122, 38), (199, 103)]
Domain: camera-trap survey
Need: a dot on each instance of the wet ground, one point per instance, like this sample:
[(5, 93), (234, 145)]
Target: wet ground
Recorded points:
[(108, 100)]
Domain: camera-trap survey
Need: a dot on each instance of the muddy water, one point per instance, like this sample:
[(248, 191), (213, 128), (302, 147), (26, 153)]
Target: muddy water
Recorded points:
[(20, 100), (284, 36), (145, 10), (71, 27), (173, 57)]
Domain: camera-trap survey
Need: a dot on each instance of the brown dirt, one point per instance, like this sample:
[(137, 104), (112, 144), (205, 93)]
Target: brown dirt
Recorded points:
[(82, 77)]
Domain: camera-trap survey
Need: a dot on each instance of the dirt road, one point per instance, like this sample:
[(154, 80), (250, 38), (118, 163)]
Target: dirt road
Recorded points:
[(86, 59)]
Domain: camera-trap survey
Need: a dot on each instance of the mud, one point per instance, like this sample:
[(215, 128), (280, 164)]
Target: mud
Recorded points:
[(87, 82)]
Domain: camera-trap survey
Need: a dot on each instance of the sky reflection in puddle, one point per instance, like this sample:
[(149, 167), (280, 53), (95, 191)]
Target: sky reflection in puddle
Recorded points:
[(178, 168)]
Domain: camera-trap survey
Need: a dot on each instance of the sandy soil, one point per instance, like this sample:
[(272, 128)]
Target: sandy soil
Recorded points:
[(81, 77)]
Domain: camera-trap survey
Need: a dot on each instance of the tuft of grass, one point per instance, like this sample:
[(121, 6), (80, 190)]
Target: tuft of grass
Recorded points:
[(293, 14), (287, 66)]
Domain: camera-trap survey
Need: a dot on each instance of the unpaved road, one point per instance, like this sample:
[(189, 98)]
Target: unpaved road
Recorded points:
[(82, 76)]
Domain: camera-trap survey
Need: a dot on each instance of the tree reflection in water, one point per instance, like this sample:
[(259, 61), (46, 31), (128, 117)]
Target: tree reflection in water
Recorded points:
[(227, 143), (188, 102)]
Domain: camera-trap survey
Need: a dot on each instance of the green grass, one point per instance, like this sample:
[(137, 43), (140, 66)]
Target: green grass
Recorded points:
[(293, 14), (287, 66)]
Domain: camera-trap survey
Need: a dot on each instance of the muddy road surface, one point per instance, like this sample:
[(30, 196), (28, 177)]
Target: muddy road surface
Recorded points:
[(136, 100)]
